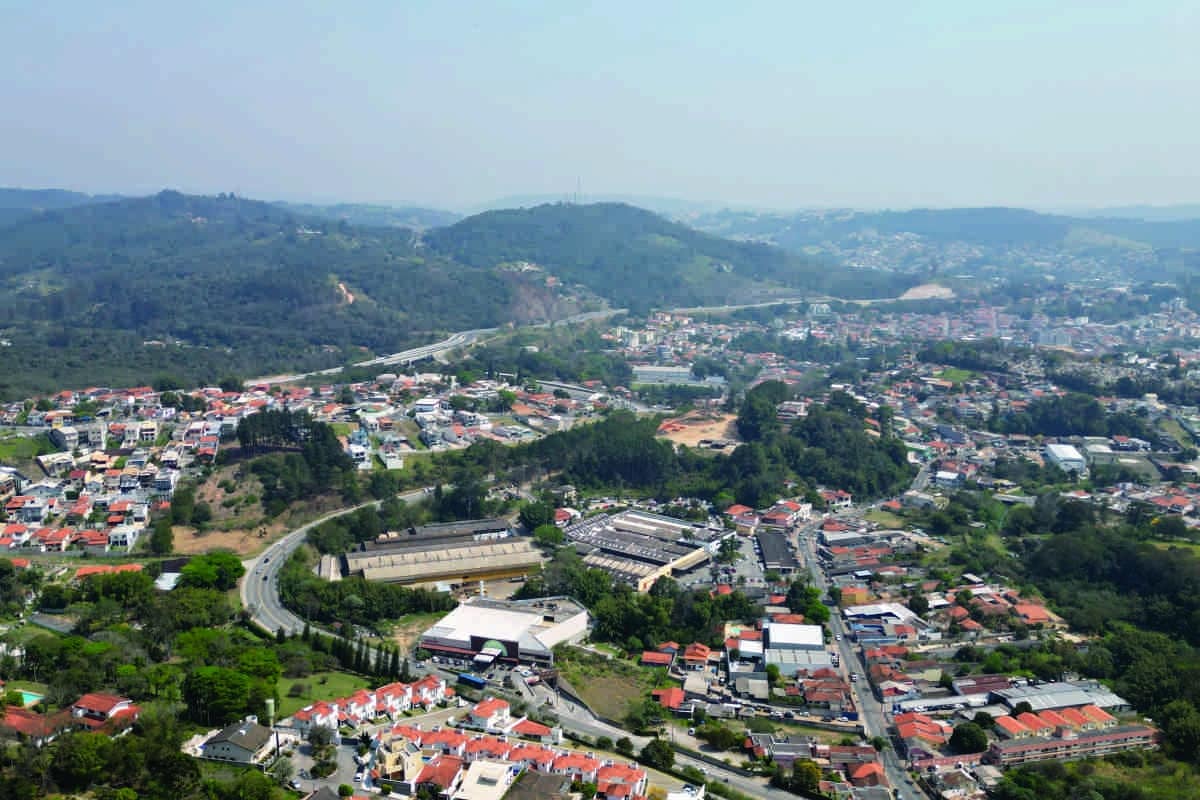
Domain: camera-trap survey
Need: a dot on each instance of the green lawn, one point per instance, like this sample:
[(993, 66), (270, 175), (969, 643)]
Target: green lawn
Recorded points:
[(956, 375), (318, 686), (24, 448), (343, 428), (884, 519), (1193, 546), (1176, 432)]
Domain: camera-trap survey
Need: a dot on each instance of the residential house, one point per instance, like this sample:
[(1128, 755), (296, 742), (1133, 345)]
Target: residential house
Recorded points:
[(490, 714), (95, 709), (244, 742)]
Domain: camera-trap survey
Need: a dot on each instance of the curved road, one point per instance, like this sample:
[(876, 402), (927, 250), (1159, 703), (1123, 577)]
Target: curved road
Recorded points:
[(260, 588)]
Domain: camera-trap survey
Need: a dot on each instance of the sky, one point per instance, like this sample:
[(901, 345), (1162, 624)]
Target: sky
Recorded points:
[(789, 104)]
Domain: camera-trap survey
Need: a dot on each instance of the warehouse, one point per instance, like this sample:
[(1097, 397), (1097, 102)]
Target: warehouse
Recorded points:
[(441, 534), (485, 630), (1066, 458), (1056, 695), (445, 568), (776, 553), (638, 548)]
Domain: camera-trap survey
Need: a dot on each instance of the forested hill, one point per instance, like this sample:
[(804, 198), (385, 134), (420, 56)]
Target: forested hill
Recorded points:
[(199, 287), (18, 204), (639, 260)]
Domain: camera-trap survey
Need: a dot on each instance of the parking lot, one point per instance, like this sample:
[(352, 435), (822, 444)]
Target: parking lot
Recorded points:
[(747, 570)]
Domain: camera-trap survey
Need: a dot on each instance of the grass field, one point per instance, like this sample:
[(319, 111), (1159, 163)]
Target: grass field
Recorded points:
[(884, 519), (14, 449), (956, 375), (1176, 432), (318, 686), (608, 686), (1193, 546)]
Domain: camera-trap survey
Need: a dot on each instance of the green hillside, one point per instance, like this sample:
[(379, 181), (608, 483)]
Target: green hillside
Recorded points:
[(196, 288), (219, 285), (639, 260)]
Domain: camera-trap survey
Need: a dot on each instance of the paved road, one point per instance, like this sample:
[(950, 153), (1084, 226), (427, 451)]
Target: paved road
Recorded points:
[(579, 720), (260, 586), (870, 710)]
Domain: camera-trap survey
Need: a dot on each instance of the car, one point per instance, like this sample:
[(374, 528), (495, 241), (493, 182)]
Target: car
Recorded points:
[(265, 577), (837, 637), (266, 559), (295, 784), (358, 776), (691, 731)]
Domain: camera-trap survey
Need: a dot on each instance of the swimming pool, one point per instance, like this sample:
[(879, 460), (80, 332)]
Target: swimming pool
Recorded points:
[(30, 698)]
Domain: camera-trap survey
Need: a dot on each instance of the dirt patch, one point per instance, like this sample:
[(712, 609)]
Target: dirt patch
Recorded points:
[(695, 427), (242, 541), (234, 495), (928, 291), (407, 631)]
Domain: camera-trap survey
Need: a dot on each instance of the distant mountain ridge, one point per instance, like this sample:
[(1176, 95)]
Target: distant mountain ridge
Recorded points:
[(414, 217), (17, 204)]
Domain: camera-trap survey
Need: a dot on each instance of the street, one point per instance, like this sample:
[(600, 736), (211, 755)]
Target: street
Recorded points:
[(870, 710)]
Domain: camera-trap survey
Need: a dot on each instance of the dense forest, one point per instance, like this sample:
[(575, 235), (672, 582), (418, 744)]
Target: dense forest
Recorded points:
[(235, 284), (1073, 414)]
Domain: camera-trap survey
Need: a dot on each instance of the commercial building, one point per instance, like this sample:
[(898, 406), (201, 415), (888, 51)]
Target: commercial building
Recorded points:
[(638, 547), (793, 647), (485, 630)]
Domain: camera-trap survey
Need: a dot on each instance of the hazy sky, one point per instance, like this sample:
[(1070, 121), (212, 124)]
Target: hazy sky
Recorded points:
[(784, 104)]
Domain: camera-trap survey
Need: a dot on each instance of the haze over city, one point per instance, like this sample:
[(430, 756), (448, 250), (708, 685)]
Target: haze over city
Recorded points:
[(456, 105)]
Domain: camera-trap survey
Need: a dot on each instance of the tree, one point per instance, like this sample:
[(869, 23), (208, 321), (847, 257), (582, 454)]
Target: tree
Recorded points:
[(968, 737), (219, 570), (162, 538), (805, 775), (345, 790), (320, 736), (773, 674), (604, 743), (284, 770), (549, 536), (918, 604), (658, 754), (624, 746), (534, 515)]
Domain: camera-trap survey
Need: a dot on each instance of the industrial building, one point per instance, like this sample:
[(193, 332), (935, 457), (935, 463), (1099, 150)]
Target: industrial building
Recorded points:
[(1066, 458), (447, 567), (793, 647), (777, 553), (485, 630), (1056, 695), (638, 547), (445, 555)]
